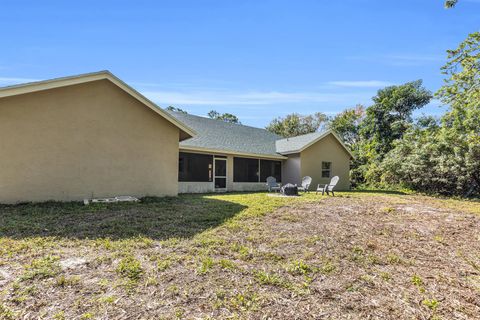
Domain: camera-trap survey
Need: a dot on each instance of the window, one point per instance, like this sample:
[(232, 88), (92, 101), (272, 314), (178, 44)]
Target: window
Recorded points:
[(326, 169), (245, 170), (270, 168), (195, 167)]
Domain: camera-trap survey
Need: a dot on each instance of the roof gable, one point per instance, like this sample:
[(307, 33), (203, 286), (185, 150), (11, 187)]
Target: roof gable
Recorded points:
[(31, 87), (299, 143)]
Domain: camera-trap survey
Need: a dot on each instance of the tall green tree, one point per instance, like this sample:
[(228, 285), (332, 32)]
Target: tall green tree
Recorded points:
[(385, 122), (227, 117), (295, 124), (390, 115), (445, 158), (347, 125), (461, 124)]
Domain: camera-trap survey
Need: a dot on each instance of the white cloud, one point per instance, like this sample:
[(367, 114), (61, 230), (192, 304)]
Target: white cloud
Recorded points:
[(361, 84), (253, 98), (250, 98)]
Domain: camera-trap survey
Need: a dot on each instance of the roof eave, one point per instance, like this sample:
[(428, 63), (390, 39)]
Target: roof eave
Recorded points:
[(229, 152)]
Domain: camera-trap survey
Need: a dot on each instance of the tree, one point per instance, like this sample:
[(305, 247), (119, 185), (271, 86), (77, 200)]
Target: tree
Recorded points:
[(295, 124), (385, 122), (450, 3), (175, 109), (445, 157), (389, 117), (461, 124), (227, 117), (347, 124)]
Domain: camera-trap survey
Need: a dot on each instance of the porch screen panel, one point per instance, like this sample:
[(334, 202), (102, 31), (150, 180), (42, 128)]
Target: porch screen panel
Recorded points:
[(195, 167), (270, 168), (245, 170)]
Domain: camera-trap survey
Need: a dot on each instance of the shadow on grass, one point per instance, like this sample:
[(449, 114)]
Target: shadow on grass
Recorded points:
[(156, 218)]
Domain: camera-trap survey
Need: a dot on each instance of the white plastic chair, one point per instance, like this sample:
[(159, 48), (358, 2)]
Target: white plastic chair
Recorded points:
[(328, 187), (272, 184), (306, 181)]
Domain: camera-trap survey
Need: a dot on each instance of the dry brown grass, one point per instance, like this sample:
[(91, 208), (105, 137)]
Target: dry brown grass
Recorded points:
[(247, 256)]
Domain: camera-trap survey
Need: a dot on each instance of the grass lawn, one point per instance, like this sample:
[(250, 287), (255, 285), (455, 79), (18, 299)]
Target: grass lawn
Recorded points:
[(243, 256)]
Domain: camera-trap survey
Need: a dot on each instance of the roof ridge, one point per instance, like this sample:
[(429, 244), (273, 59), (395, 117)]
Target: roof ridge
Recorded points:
[(224, 122), (306, 134)]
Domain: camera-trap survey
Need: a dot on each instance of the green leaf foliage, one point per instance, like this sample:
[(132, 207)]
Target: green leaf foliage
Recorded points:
[(295, 124)]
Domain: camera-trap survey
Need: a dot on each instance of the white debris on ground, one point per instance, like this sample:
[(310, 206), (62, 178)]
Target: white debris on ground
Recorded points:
[(72, 263), (111, 200)]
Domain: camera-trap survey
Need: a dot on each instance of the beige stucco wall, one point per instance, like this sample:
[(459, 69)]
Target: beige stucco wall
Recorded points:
[(330, 150), (195, 187), (291, 169), (83, 141)]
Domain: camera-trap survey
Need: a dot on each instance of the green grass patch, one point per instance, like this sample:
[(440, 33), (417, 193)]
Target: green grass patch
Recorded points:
[(42, 268), (129, 267)]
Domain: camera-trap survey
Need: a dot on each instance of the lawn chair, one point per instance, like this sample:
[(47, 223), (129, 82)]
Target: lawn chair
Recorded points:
[(306, 181), (328, 187), (272, 184)]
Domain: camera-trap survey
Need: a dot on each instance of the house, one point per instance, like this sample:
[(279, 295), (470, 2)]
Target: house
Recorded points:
[(94, 136), (85, 136), (232, 157)]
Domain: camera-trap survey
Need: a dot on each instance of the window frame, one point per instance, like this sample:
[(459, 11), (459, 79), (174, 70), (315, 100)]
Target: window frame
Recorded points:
[(184, 163), (329, 170), (277, 176), (235, 177)]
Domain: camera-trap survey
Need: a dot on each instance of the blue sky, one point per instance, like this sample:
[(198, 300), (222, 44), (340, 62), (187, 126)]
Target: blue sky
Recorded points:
[(258, 59)]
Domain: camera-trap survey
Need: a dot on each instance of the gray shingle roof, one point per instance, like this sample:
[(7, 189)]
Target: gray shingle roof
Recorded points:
[(295, 144), (229, 137)]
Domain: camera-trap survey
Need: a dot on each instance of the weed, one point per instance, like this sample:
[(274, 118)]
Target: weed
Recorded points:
[(63, 281), (206, 264), (388, 210), (272, 256), (385, 276), (42, 268), (244, 301), (300, 267), (432, 304), (6, 313), (267, 278), (179, 313), (107, 299), (393, 259), (315, 239), (130, 268), (417, 281), (163, 265), (357, 254), (227, 264), (438, 238), (86, 316), (242, 250), (151, 281), (60, 315), (328, 267)]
